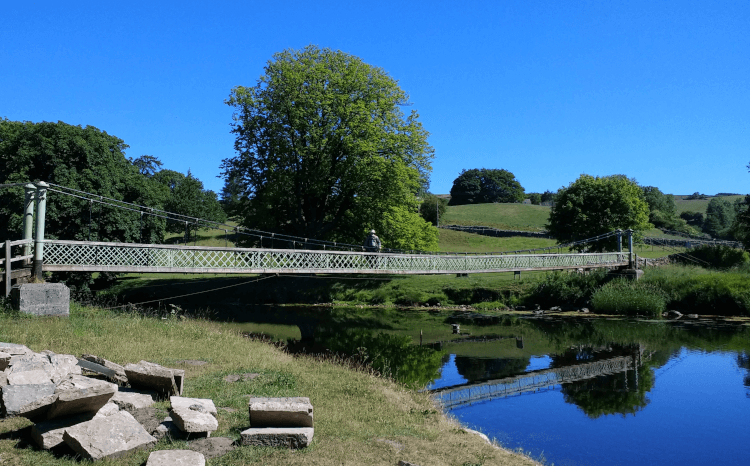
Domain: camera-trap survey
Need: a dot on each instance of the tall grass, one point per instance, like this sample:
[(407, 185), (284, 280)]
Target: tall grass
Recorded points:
[(631, 298), (566, 288)]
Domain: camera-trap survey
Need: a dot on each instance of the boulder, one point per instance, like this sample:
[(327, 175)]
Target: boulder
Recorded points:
[(130, 401), (108, 436), (79, 394), (30, 401), (154, 376), (291, 437), (281, 412), (115, 372), (194, 418), (179, 402), (49, 434), (13, 348), (35, 377), (3, 379), (176, 458)]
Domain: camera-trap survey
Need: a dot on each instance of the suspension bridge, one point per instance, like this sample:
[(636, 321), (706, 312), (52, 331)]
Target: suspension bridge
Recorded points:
[(38, 254), (533, 381)]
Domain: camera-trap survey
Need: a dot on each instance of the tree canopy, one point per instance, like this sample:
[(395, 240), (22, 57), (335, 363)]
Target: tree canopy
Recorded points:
[(187, 197), (324, 151), (483, 185), (591, 206)]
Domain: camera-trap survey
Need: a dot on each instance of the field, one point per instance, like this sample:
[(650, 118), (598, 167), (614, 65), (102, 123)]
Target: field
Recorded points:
[(522, 217), (696, 205)]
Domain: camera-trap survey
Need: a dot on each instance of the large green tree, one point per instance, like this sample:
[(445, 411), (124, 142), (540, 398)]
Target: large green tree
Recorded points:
[(324, 150), (591, 206), (483, 185), (720, 216)]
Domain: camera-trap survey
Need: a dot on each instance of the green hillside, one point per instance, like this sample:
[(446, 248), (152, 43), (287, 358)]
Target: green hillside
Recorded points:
[(523, 217), (696, 205)]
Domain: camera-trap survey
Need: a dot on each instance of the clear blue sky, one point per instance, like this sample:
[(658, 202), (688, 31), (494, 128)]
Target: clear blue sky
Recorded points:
[(655, 90)]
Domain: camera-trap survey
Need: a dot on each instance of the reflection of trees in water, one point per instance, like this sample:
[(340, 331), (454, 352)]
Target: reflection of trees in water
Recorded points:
[(479, 369), (743, 361), (622, 393)]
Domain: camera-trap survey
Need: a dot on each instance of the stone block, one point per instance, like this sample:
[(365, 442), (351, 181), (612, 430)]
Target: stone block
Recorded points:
[(181, 402), (4, 360), (43, 299), (30, 401), (130, 401), (176, 458), (79, 394), (154, 376), (194, 418), (281, 412), (13, 348), (114, 371), (291, 437), (108, 436), (62, 365), (30, 362), (34, 377), (3, 379), (49, 434)]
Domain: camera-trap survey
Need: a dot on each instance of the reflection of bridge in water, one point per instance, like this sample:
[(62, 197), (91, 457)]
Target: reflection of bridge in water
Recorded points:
[(534, 380)]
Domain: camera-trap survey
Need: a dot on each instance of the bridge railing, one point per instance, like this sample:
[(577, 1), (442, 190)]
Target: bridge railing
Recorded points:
[(7, 260), (60, 255)]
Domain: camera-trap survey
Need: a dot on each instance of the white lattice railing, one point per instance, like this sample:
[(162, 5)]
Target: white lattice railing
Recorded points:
[(127, 257)]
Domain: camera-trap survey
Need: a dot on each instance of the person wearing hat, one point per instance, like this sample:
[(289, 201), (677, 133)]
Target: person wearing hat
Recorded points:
[(372, 242)]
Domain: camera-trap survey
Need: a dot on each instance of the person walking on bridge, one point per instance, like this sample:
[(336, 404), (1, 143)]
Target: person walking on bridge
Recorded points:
[(372, 242)]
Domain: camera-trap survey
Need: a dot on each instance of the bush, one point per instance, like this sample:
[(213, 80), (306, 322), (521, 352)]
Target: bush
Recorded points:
[(560, 288), (630, 298), (718, 256)]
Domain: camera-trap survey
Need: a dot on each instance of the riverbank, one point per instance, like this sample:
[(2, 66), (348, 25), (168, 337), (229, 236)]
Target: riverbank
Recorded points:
[(360, 418)]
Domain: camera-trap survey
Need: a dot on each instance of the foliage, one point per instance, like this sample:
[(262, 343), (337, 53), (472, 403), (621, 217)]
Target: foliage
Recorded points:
[(187, 197), (403, 230), (632, 298), (82, 158), (558, 288), (147, 165), (741, 226), (694, 219), (433, 208), (716, 256), (324, 150), (535, 198), (661, 207), (696, 195), (592, 206), (548, 196), (693, 289), (720, 215), (482, 186), (231, 196)]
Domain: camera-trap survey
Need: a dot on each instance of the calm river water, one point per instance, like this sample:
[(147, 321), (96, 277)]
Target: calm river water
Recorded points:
[(566, 391)]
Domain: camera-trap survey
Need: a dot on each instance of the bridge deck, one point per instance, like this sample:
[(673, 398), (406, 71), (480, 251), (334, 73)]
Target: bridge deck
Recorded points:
[(89, 256)]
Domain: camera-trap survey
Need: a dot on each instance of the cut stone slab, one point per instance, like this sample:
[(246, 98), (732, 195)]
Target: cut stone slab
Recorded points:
[(176, 458), (30, 362), (159, 378), (115, 372), (4, 360), (49, 434), (14, 348), (292, 437), (79, 394), (34, 377), (130, 401), (30, 401), (3, 380), (213, 447), (62, 365), (181, 402), (281, 412), (42, 299), (108, 436), (194, 418)]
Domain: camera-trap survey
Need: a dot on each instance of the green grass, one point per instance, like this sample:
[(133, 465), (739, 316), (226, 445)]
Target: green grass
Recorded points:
[(354, 409), (459, 241), (523, 217)]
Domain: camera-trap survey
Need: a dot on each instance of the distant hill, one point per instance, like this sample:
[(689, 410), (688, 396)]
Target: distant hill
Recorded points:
[(698, 205), (524, 217)]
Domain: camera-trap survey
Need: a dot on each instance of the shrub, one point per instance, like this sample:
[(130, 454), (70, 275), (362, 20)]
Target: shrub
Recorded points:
[(718, 256), (559, 288), (629, 298)]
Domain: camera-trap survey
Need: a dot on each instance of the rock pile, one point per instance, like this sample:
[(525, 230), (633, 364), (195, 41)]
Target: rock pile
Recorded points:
[(100, 418)]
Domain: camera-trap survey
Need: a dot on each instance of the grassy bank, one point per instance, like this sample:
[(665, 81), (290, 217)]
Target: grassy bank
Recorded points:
[(359, 418)]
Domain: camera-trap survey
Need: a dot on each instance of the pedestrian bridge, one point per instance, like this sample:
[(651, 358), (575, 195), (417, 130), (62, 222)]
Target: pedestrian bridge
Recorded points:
[(87, 256)]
